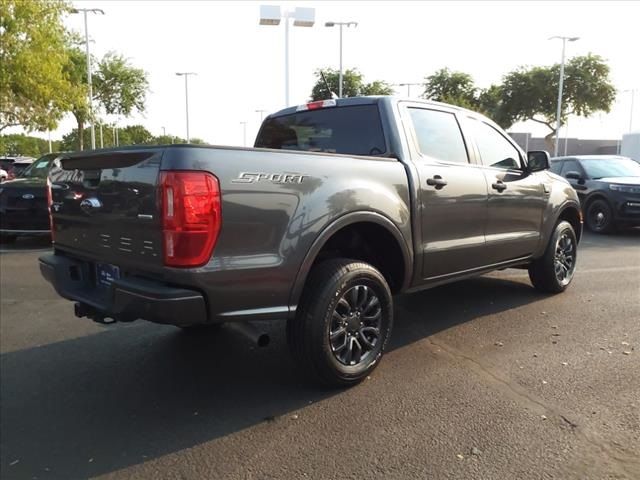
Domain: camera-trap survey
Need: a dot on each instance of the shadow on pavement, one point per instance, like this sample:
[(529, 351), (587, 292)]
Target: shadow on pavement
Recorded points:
[(96, 404)]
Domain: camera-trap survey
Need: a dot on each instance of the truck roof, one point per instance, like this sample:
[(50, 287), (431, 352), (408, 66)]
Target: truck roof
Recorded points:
[(373, 99)]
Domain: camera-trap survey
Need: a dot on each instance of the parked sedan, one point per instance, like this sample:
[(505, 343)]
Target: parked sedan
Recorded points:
[(23, 202), (608, 187)]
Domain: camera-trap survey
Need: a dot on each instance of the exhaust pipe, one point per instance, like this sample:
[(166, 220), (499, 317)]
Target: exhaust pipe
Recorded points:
[(250, 332), (82, 310)]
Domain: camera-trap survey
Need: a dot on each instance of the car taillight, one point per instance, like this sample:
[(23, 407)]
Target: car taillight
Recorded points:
[(49, 203), (191, 217)]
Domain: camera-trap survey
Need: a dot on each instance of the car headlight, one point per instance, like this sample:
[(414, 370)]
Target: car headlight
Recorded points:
[(625, 188)]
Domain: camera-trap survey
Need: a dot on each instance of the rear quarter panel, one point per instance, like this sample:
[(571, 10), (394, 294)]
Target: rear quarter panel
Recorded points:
[(268, 227)]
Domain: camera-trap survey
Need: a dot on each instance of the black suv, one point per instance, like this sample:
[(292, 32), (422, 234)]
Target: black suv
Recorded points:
[(608, 187)]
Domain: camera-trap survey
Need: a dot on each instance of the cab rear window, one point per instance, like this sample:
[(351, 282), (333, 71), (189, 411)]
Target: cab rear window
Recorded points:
[(353, 130)]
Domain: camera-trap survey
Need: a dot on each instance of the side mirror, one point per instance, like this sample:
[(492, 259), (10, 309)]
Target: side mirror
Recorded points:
[(572, 175), (537, 160)]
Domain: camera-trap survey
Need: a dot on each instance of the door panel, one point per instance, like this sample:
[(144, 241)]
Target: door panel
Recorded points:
[(452, 193), (516, 199), (514, 214), (453, 218)]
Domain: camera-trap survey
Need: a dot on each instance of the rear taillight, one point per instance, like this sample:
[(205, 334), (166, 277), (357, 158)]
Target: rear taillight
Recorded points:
[(49, 207), (191, 217)]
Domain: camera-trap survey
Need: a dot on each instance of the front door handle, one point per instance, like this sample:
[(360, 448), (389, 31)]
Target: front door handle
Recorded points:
[(499, 186), (437, 181)]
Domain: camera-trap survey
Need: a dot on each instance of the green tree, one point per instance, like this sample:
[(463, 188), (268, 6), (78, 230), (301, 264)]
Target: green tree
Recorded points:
[(29, 146), (129, 135), (532, 93), (353, 85), (34, 88), (118, 88), (456, 88)]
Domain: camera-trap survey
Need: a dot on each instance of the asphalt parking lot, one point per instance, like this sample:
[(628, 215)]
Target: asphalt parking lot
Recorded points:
[(484, 379)]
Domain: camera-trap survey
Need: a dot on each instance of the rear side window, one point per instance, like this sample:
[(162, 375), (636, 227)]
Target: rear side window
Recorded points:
[(438, 135), (354, 130)]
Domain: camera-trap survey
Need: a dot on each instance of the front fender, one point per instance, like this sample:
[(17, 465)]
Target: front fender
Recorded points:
[(561, 197)]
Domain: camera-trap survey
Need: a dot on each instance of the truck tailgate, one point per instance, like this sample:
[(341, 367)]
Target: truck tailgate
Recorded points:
[(105, 206)]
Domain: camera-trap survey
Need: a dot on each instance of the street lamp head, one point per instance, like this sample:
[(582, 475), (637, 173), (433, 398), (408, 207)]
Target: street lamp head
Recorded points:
[(304, 17), (560, 37), (90, 10), (270, 15), (345, 24)]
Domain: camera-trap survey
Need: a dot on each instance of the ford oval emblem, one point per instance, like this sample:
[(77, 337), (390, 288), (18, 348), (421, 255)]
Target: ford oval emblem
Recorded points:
[(90, 205), (28, 196)]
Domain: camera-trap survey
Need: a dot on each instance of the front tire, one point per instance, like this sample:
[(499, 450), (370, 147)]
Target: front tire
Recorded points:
[(553, 272), (343, 322), (599, 216)]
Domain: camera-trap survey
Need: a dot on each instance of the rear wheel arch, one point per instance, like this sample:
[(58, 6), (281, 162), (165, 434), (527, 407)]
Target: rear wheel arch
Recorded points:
[(388, 235)]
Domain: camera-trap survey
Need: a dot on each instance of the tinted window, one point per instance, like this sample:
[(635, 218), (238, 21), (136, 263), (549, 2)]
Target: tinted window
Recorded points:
[(354, 130), (39, 168), (438, 135), (570, 166), (611, 167), (556, 166), (495, 150)]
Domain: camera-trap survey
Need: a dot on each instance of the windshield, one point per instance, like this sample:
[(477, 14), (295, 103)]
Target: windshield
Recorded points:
[(353, 130), (39, 168), (611, 167)]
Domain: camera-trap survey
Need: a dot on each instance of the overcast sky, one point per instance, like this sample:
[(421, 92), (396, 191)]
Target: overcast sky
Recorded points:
[(240, 64)]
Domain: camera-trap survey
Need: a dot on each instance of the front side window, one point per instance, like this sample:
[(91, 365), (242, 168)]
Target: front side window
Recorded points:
[(570, 166), (495, 150), (556, 166), (438, 135)]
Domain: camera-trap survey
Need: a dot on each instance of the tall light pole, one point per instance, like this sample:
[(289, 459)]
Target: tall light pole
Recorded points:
[(164, 132), (408, 85), (340, 24), (186, 96), (302, 17), (560, 85), (261, 112), (244, 133), (633, 95), (86, 42)]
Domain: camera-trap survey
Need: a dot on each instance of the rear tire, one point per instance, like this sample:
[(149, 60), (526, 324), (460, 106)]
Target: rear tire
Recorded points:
[(343, 322), (553, 272), (599, 216)]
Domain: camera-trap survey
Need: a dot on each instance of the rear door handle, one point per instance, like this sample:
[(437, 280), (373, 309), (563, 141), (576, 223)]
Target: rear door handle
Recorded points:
[(437, 181), (499, 186)]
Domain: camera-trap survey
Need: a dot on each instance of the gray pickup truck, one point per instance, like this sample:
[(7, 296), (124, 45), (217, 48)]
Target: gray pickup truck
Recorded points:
[(340, 205)]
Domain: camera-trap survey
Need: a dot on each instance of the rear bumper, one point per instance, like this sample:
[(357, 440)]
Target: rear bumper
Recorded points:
[(7, 231), (126, 299)]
